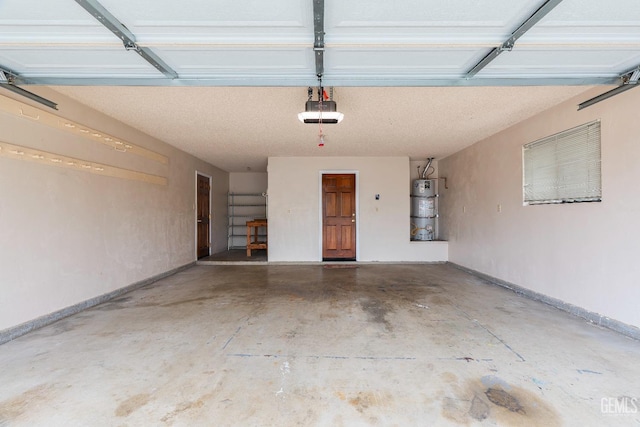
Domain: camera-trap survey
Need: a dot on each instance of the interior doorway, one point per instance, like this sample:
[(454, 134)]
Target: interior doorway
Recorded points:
[(203, 215), (339, 217)]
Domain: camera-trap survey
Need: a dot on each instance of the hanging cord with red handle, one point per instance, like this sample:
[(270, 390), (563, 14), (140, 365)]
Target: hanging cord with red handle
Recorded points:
[(320, 96)]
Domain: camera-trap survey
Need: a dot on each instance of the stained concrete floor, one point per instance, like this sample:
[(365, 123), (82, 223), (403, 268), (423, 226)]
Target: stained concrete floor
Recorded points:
[(235, 257), (353, 345)]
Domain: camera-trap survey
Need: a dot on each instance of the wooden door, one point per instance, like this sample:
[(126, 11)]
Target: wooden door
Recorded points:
[(202, 213), (339, 216)]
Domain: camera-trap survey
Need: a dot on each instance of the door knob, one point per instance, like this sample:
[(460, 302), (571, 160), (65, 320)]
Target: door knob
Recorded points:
[(353, 220)]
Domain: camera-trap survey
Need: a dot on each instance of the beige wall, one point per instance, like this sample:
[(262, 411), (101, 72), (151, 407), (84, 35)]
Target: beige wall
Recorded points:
[(585, 254), (68, 236), (248, 182), (383, 225)]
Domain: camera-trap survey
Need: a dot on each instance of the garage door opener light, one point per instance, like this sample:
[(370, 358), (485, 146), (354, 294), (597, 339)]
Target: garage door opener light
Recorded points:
[(324, 110)]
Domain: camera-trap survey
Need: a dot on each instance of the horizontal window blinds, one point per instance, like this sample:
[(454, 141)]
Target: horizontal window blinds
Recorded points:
[(564, 167)]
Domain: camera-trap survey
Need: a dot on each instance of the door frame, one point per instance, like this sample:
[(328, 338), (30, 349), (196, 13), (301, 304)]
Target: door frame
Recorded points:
[(320, 219), (195, 212)]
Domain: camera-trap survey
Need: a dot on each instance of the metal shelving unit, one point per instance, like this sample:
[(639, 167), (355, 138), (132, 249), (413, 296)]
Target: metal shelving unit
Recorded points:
[(243, 207)]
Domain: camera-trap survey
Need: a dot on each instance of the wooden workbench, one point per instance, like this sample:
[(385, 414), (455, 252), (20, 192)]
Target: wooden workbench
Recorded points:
[(252, 242)]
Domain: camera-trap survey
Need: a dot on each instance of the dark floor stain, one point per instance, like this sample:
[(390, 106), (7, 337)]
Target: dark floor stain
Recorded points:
[(187, 301), (479, 409), (291, 334), (376, 311), (149, 303), (502, 309), (456, 410), (114, 304), (437, 300), (109, 307), (57, 328), (499, 397), (143, 305), (499, 404), (131, 404), (83, 315)]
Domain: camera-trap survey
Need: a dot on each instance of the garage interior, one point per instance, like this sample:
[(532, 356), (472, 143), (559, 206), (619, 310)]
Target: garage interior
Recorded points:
[(126, 129)]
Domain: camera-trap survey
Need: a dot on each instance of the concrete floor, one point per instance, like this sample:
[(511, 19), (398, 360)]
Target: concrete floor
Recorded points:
[(235, 257), (352, 345)]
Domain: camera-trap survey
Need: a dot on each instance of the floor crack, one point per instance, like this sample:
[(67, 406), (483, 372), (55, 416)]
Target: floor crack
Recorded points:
[(490, 332)]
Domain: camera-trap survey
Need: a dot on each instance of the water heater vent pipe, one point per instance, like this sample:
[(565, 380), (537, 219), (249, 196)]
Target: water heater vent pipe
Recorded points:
[(426, 168)]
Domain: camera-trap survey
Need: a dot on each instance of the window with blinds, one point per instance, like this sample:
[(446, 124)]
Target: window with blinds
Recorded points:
[(564, 168)]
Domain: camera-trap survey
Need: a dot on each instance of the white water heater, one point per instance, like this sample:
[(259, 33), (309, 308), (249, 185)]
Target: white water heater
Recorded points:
[(423, 210), (423, 188)]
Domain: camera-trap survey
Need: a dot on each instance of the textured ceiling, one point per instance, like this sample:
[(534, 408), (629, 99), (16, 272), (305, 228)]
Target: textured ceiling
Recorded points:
[(235, 72), (238, 128)]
